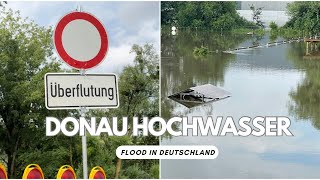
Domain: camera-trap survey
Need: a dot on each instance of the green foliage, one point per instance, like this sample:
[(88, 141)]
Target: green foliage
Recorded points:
[(139, 85), (287, 33), (51, 155), (201, 51), (207, 14), (169, 11), (273, 35), (25, 56), (304, 16), (274, 31), (154, 171), (259, 32), (135, 172), (273, 25), (139, 97), (241, 31)]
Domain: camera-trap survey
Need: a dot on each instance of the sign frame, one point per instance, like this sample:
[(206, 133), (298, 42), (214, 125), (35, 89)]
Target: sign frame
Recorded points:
[(84, 106), (58, 44)]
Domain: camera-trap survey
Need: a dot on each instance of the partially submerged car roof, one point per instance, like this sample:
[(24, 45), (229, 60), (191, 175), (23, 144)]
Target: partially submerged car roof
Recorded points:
[(198, 95)]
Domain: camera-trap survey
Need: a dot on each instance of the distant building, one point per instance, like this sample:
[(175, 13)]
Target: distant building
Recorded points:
[(267, 5), (272, 11)]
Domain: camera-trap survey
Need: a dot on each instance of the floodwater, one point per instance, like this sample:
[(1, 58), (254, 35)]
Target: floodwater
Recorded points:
[(268, 81)]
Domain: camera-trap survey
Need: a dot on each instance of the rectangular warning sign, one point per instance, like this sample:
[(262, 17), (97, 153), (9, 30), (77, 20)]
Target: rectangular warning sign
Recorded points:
[(73, 91)]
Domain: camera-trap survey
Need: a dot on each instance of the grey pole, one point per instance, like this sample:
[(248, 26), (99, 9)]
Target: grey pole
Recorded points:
[(84, 137), (84, 147)]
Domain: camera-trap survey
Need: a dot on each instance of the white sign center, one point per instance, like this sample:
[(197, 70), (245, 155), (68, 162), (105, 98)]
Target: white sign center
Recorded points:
[(72, 91), (81, 40)]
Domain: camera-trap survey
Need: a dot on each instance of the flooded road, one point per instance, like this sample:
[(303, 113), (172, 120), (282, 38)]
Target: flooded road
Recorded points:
[(268, 81)]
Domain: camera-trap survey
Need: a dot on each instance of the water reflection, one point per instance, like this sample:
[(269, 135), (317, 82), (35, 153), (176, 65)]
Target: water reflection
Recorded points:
[(273, 81), (305, 102)]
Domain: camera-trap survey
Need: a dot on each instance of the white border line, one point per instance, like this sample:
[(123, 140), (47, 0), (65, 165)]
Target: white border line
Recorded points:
[(160, 79)]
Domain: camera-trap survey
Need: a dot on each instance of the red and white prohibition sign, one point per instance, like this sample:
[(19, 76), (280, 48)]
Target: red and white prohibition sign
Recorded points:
[(81, 40)]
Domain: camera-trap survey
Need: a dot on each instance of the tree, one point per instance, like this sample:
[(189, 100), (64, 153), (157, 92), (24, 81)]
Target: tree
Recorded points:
[(304, 16), (273, 25), (139, 93), (25, 56), (2, 3), (168, 12), (213, 15), (256, 15)]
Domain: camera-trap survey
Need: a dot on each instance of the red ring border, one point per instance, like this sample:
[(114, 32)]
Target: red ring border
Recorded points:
[(64, 55)]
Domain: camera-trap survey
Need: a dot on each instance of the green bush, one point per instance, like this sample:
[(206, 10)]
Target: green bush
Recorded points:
[(135, 172), (273, 25), (154, 171), (201, 51)]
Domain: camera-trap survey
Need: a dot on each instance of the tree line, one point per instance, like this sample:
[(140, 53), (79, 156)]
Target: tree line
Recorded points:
[(205, 14), (304, 17)]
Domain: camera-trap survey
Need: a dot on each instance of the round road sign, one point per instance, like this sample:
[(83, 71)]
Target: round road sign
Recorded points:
[(81, 40)]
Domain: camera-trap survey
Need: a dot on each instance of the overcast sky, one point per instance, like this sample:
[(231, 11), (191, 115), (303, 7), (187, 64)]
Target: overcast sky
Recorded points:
[(127, 23)]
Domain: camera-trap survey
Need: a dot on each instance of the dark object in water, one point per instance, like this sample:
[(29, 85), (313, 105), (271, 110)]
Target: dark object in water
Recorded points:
[(199, 95)]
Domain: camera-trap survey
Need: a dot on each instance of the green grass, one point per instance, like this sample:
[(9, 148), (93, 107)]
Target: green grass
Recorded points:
[(200, 51)]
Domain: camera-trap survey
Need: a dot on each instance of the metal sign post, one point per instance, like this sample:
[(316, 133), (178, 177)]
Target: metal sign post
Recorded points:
[(81, 41), (84, 137), (83, 111)]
